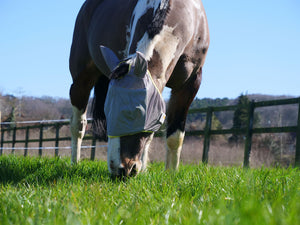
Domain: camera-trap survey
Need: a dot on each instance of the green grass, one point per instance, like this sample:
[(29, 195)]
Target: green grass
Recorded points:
[(51, 191)]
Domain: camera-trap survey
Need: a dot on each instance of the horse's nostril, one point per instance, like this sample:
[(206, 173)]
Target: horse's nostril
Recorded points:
[(134, 170), (134, 167)]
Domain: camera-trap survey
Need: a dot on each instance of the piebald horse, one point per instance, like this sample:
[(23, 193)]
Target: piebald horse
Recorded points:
[(173, 38)]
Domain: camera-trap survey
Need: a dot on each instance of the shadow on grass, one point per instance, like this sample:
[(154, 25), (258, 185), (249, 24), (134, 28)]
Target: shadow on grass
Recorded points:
[(46, 171)]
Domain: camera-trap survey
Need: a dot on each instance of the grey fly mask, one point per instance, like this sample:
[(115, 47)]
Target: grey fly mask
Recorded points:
[(133, 103)]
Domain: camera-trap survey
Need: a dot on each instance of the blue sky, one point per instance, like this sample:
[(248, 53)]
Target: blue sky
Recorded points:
[(255, 47)]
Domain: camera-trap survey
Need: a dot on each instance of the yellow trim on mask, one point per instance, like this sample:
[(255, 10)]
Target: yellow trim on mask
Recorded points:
[(155, 84)]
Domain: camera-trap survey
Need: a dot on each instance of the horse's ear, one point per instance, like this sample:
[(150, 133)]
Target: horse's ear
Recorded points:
[(140, 65), (110, 57)]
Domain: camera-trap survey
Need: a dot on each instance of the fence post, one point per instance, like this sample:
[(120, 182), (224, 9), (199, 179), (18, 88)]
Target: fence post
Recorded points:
[(26, 141), (14, 140), (93, 152), (41, 139), (207, 135), (249, 133), (1, 135), (297, 156), (57, 128), (2, 140)]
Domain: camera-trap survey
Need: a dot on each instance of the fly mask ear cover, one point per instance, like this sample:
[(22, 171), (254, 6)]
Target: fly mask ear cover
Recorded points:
[(133, 103)]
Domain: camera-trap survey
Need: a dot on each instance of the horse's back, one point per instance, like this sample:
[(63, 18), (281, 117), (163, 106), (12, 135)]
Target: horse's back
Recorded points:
[(123, 26)]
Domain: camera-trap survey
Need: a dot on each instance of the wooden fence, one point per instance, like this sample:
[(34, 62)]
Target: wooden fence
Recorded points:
[(41, 126), (248, 131)]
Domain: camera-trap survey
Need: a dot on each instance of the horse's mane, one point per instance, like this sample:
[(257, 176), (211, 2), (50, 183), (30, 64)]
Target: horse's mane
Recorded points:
[(158, 21)]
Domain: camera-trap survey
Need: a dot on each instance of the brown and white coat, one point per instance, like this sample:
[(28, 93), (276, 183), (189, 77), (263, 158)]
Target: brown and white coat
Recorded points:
[(174, 37)]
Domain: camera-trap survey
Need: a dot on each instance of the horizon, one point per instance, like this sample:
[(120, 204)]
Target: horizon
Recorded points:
[(267, 96)]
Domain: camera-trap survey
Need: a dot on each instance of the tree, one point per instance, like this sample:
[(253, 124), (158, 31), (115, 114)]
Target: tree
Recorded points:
[(11, 119), (240, 117), (216, 125)]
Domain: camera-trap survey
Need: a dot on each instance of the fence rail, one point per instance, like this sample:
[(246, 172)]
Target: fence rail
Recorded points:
[(248, 131)]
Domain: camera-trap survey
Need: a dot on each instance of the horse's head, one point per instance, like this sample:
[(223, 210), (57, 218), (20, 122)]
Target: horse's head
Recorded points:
[(134, 109)]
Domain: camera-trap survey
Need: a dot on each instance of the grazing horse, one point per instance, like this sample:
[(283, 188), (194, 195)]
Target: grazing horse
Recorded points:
[(165, 41)]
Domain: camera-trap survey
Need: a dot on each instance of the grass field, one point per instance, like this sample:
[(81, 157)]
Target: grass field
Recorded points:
[(51, 191)]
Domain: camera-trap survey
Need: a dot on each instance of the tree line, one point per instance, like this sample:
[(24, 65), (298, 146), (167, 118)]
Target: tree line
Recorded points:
[(27, 108)]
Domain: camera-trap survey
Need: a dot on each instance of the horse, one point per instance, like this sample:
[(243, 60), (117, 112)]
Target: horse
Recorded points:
[(166, 41)]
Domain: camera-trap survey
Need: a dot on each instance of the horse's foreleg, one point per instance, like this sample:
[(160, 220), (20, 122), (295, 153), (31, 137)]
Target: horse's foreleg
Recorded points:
[(174, 146), (179, 104), (79, 95), (78, 126)]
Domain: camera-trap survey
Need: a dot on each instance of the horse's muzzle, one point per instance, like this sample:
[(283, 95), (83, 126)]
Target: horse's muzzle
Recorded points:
[(129, 170)]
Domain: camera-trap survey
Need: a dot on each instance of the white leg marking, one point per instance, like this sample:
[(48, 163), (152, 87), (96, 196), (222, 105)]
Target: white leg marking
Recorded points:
[(174, 146), (145, 153), (113, 155), (78, 125)]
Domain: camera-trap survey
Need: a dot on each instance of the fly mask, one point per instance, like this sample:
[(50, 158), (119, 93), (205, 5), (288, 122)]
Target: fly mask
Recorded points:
[(133, 103)]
